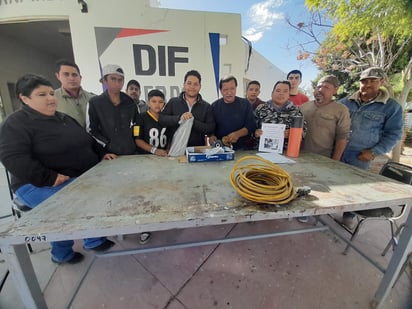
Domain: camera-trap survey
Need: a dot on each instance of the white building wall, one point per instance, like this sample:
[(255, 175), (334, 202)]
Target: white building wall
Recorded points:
[(180, 28), (266, 73)]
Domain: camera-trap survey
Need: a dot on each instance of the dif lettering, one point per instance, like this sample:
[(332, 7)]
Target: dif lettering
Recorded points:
[(147, 60), (4, 2)]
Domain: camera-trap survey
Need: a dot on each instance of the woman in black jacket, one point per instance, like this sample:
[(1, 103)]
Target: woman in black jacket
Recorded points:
[(44, 150)]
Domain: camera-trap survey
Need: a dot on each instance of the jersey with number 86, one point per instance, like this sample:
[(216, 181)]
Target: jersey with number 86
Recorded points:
[(149, 129)]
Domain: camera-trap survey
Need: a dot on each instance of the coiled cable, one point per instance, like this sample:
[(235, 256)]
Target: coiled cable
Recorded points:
[(263, 182)]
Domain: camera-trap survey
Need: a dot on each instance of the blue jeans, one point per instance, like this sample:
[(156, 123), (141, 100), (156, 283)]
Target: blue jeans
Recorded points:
[(32, 196)]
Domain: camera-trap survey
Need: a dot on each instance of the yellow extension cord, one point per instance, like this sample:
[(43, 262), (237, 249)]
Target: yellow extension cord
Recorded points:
[(263, 182)]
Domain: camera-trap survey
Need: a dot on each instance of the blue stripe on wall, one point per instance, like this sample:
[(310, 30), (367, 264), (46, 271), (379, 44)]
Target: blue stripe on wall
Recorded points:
[(215, 49)]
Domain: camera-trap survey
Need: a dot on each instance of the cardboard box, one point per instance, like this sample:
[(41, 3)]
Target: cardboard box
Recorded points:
[(197, 154)]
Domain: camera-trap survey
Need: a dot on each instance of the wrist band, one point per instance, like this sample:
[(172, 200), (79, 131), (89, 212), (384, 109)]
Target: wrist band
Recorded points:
[(153, 150)]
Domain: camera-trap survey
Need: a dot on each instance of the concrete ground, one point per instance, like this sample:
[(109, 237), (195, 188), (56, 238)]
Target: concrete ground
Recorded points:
[(301, 271)]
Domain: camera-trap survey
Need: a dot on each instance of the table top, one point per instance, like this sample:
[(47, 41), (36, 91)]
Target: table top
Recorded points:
[(139, 193)]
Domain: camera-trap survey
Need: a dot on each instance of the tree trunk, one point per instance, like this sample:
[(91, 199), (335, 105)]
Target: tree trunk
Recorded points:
[(407, 83), (396, 152)]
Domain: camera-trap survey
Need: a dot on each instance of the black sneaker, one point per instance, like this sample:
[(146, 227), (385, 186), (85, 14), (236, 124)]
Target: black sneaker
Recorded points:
[(104, 246), (144, 238), (349, 222), (304, 219), (77, 258)]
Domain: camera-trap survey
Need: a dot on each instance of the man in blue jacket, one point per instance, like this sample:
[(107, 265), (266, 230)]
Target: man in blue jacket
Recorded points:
[(377, 123)]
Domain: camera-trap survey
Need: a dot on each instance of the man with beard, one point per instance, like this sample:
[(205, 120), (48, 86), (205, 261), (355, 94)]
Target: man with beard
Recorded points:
[(328, 121)]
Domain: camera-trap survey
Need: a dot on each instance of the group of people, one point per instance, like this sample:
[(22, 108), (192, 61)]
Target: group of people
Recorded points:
[(92, 127), (354, 130)]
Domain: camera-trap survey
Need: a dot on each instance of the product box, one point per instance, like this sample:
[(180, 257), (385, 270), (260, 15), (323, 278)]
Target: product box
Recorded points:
[(207, 154)]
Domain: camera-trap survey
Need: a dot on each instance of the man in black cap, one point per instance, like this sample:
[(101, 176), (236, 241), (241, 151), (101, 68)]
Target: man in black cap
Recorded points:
[(377, 123)]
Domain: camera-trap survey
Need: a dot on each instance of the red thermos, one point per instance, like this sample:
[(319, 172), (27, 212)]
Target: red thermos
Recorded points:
[(295, 137)]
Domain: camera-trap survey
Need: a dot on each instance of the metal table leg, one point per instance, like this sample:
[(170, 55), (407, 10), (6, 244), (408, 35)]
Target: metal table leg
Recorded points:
[(395, 264), (21, 269)]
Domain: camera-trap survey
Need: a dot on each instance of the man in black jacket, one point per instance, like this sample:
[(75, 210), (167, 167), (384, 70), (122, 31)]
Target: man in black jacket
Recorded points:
[(113, 114), (190, 105)]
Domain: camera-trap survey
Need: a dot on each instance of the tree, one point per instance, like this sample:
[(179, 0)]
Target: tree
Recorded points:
[(367, 33)]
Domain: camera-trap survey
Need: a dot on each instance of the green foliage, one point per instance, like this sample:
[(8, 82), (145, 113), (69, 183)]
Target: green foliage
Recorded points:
[(404, 58), (348, 83), (383, 13), (365, 33), (389, 17)]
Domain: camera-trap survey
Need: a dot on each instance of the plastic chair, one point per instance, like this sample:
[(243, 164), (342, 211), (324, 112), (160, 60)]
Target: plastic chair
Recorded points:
[(17, 209), (17, 206), (396, 171)]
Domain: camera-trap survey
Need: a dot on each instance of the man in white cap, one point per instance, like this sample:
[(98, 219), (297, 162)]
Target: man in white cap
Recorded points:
[(377, 123), (113, 114)]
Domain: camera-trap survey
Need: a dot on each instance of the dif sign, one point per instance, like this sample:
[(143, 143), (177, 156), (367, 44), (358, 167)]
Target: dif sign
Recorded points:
[(148, 60)]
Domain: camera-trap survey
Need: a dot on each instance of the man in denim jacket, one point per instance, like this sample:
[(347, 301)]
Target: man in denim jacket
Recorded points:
[(377, 123)]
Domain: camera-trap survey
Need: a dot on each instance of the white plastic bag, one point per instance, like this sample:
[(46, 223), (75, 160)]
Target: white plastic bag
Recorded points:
[(180, 138)]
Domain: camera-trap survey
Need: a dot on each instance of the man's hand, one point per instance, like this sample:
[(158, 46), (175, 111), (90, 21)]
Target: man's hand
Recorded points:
[(366, 155), (258, 133), (186, 116), (212, 139), (160, 152), (60, 179), (233, 137), (109, 156)]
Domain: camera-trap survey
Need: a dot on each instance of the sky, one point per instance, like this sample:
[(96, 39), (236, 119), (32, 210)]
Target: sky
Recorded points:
[(264, 24)]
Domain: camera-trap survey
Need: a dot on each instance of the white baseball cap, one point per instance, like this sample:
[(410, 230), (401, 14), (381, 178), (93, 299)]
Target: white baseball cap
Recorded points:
[(112, 69)]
